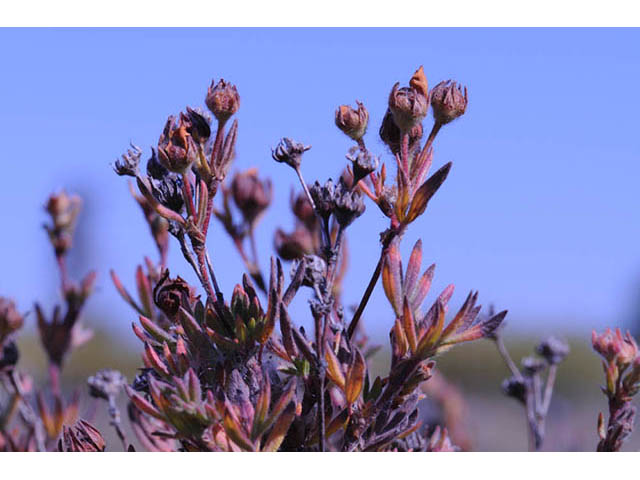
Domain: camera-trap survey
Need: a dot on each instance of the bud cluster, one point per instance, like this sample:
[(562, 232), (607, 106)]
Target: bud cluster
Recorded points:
[(621, 364), (63, 210)]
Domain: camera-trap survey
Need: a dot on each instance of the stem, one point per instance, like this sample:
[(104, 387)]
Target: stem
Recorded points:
[(188, 196), (535, 418), (114, 413), (404, 152), (321, 416), (54, 376), (432, 135), (28, 415), (216, 287), (188, 256), (548, 390), (212, 184), (202, 264), (372, 283), (305, 188), (504, 353), (64, 276)]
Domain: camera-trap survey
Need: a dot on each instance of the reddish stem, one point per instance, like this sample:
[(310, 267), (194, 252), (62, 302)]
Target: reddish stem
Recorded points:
[(188, 196)]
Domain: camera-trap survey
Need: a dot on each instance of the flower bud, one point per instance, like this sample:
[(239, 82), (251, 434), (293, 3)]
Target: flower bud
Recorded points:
[(251, 195), (628, 348), (293, 246), (289, 152), (409, 105), (352, 122), (615, 348), (223, 100), (604, 344), (10, 319), (448, 101)]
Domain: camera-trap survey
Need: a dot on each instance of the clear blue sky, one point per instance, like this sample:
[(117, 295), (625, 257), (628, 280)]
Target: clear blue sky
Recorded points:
[(540, 212)]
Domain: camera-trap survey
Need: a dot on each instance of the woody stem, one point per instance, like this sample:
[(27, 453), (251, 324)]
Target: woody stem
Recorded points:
[(372, 283)]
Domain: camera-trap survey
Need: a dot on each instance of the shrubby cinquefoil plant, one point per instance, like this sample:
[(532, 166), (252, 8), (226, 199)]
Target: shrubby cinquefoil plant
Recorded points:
[(235, 371)]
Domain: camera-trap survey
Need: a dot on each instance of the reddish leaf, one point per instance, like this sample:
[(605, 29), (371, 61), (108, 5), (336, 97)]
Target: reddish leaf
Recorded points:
[(425, 192)]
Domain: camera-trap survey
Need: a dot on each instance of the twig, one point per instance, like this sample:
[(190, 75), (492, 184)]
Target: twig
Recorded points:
[(114, 414)]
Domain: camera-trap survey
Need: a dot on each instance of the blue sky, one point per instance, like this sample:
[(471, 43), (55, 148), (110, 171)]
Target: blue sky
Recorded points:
[(540, 211)]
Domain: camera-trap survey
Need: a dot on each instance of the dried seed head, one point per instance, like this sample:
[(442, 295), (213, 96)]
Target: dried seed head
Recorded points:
[(314, 272), (532, 365), (419, 82), (363, 163), (295, 245), (129, 163), (9, 355), (173, 294), (553, 350), (251, 195), (176, 148), (448, 101), (409, 105), (198, 124), (82, 437), (303, 210), (64, 210), (352, 122), (390, 134), (319, 308), (349, 205), (106, 384), (222, 99), (324, 198), (10, 319), (515, 388), (166, 186), (289, 151)]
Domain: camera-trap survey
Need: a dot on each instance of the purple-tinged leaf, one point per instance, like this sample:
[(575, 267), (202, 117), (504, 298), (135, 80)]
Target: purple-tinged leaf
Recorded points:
[(413, 269), (425, 192)]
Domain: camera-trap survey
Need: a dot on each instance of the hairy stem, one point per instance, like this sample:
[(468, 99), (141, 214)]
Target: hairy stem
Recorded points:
[(432, 136), (188, 196)]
